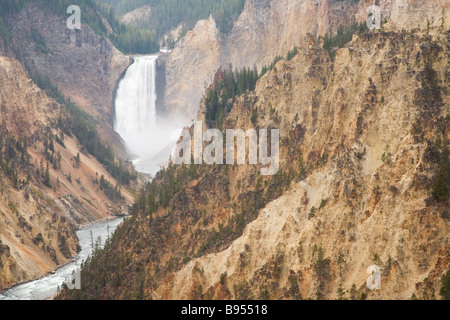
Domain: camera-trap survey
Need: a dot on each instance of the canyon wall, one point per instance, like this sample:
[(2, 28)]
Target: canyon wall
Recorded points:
[(270, 28), (363, 143), (84, 66), (49, 184), (190, 68), (38, 220), (369, 204)]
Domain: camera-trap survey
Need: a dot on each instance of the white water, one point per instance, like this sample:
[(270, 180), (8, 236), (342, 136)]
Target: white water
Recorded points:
[(147, 138), (47, 286)]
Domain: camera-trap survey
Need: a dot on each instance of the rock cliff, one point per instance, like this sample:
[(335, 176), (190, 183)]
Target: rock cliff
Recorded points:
[(136, 16), (190, 68), (39, 217), (367, 200), (84, 66), (363, 147), (270, 28)]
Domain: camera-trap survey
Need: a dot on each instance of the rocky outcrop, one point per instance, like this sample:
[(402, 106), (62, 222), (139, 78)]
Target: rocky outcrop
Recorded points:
[(271, 28), (24, 107), (411, 14), (84, 66), (189, 68), (136, 16)]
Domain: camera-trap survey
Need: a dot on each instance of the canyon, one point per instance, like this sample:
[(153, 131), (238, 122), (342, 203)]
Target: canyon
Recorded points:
[(359, 156), (270, 28), (363, 170), (38, 222), (53, 189)]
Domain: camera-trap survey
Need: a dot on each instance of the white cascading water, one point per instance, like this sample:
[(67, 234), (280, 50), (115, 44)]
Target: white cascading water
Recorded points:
[(148, 139), (136, 103)]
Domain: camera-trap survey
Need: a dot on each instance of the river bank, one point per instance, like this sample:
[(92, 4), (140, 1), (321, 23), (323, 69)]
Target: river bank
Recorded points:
[(47, 286)]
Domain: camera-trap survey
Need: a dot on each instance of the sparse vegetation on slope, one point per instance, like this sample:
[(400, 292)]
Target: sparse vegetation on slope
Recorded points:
[(171, 13), (125, 38), (79, 123), (333, 42)]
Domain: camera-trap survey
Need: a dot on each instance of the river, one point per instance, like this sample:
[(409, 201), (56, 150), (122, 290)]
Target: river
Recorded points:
[(47, 286)]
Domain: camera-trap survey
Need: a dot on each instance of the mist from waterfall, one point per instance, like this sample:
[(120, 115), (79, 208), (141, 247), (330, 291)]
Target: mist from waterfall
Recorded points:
[(148, 139)]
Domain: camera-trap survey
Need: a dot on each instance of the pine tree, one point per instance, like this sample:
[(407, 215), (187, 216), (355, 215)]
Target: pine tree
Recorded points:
[(77, 160), (47, 177)]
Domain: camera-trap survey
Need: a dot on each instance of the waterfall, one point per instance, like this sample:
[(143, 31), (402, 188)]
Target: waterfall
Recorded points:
[(148, 139), (136, 104)]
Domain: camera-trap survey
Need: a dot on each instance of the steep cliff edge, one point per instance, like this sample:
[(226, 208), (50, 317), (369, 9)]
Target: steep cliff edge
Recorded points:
[(190, 68), (84, 66), (370, 203), (363, 181), (270, 28), (45, 192)]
